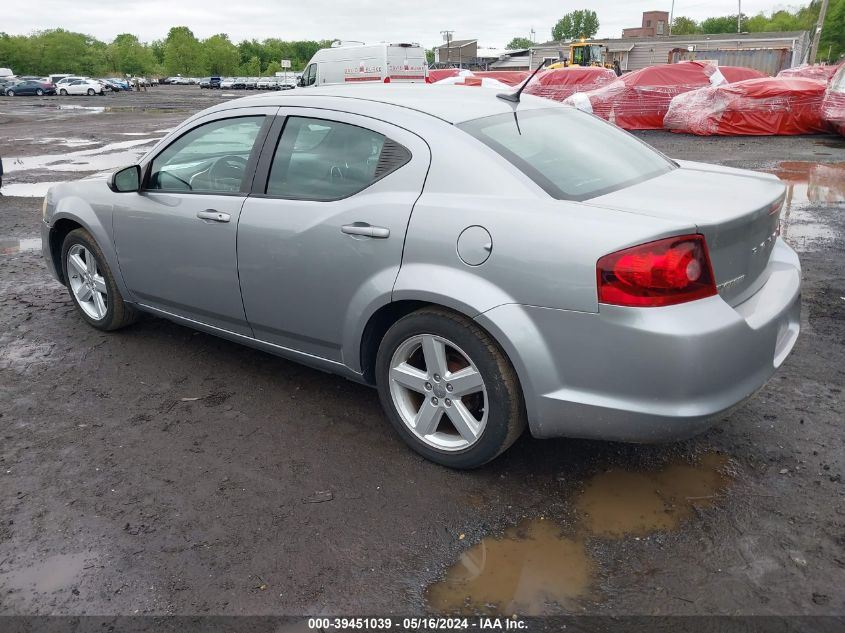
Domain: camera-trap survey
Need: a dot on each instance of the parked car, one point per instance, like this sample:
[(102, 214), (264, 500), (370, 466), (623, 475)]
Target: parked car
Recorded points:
[(250, 83), (30, 88), (108, 84), (68, 79), (5, 83), (88, 87), (473, 258), (205, 83), (264, 83), (121, 84), (228, 83)]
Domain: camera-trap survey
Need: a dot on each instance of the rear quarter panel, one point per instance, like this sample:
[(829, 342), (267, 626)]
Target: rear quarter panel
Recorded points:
[(544, 251)]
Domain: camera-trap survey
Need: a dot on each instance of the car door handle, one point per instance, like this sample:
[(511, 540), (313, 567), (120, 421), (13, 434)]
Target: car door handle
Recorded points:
[(214, 216), (362, 228)]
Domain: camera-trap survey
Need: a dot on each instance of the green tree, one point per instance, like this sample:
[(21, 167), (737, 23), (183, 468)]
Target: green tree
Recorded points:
[(519, 42), (575, 24), (129, 56), (273, 68), (220, 56), (252, 68), (685, 26), (832, 40), (182, 52), (721, 24)]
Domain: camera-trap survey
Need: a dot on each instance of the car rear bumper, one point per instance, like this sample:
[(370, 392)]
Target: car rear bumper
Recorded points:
[(649, 374)]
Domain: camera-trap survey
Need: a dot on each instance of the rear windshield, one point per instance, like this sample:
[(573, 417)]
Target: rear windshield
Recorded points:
[(570, 154)]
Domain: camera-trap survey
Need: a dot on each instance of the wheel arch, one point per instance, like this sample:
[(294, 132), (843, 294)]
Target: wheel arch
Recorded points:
[(74, 213), (58, 233)]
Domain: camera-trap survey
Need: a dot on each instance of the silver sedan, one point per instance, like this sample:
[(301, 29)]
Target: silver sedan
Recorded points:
[(487, 264)]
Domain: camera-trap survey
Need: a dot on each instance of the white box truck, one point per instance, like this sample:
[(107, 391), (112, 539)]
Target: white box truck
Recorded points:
[(355, 63)]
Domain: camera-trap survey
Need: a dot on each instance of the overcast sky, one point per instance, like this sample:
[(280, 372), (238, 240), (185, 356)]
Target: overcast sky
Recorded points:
[(492, 22)]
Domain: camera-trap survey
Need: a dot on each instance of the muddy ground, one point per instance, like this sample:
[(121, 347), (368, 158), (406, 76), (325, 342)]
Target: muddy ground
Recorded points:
[(162, 471)]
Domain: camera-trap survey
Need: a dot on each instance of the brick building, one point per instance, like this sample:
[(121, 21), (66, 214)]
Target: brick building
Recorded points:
[(655, 24)]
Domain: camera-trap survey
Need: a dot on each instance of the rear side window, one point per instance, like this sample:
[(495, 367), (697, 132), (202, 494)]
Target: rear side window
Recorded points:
[(570, 154), (318, 159)]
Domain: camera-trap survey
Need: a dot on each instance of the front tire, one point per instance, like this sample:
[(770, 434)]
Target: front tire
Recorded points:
[(448, 389), (91, 284), (10, 93), (63, 92), (39, 92), (90, 92)]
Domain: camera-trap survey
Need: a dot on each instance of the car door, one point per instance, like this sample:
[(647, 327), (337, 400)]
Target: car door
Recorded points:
[(320, 239), (176, 238)]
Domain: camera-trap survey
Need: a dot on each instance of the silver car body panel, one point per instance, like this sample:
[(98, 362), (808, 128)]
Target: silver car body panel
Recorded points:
[(307, 290)]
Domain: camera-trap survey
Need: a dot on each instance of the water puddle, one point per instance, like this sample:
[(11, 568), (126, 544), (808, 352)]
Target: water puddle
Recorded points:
[(537, 565), (62, 571), (809, 184), (28, 189), (528, 567), (620, 503), (102, 158), (81, 108), (67, 142), (11, 246)]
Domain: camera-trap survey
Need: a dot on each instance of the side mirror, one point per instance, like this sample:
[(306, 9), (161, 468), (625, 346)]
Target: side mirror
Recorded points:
[(126, 180), (300, 81)]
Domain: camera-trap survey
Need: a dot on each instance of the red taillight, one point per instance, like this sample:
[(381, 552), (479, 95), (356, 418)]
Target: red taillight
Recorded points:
[(387, 80), (665, 272)]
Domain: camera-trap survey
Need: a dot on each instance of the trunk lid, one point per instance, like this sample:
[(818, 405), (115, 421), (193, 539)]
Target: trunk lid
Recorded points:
[(737, 211)]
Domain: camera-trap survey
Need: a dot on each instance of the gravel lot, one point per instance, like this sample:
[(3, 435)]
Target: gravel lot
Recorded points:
[(163, 471)]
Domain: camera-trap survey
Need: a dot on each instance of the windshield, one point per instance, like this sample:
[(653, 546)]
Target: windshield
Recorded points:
[(570, 154)]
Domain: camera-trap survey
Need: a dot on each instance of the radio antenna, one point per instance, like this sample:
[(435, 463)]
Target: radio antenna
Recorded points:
[(514, 96)]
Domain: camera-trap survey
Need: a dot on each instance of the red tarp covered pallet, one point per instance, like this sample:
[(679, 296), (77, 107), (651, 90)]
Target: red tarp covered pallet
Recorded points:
[(560, 83), (811, 71), (756, 107), (833, 105), (639, 100)]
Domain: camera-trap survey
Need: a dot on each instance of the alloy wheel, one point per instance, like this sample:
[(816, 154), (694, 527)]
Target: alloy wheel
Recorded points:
[(86, 282), (438, 392)]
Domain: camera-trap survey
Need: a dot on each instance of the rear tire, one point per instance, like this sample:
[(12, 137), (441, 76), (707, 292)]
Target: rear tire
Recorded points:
[(435, 368), (109, 312)]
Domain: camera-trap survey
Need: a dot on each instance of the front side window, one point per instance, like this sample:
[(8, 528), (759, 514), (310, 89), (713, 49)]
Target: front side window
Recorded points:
[(570, 154), (210, 158), (318, 159), (311, 75)]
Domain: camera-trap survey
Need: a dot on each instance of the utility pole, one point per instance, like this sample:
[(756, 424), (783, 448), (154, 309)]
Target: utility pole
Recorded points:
[(739, 18), (533, 34), (671, 16), (818, 34), (447, 36)]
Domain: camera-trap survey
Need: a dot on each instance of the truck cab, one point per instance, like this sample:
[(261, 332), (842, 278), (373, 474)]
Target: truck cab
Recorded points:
[(355, 63)]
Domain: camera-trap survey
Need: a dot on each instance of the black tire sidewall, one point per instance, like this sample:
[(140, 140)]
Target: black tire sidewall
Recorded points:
[(499, 397), (83, 238)]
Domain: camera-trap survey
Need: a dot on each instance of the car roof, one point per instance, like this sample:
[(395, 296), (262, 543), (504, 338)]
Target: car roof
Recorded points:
[(453, 104)]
